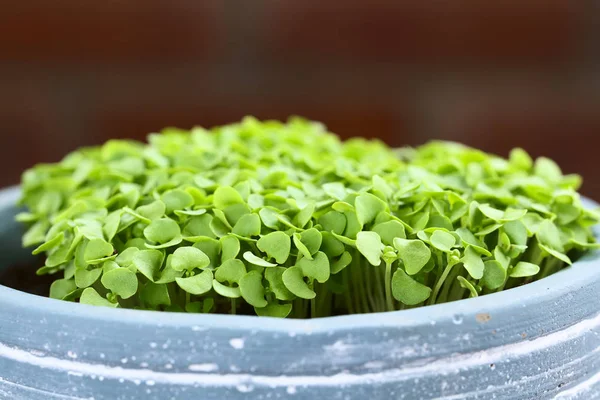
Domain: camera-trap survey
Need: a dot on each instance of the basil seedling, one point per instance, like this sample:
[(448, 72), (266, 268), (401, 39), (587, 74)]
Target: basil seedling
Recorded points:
[(286, 220)]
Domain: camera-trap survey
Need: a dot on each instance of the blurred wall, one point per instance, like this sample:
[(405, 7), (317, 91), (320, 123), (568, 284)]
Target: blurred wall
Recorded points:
[(494, 74)]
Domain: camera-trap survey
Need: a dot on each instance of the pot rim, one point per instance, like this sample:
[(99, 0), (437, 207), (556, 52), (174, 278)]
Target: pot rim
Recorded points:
[(558, 285)]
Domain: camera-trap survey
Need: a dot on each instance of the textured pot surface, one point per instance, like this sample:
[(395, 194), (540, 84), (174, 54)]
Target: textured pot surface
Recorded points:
[(538, 341)]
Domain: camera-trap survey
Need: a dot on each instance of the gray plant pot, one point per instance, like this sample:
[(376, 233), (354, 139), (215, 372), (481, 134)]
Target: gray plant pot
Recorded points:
[(538, 341)]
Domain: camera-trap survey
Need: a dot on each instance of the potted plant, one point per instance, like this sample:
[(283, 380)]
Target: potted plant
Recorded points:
[(196, 246)]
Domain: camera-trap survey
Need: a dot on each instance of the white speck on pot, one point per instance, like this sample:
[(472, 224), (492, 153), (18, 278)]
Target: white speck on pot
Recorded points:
[(244, 388), (237, 343), (124, 360), (457, 319), (74, 373), (168, 366), (150, 383), (144, 364), (102, 355), (199, 328), (153, 345), (291, 390), (71, 354), (203, 367), (137, 382), (338, 347), (374, 365)]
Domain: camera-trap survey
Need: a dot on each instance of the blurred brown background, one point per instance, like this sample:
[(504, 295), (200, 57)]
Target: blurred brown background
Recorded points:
[(493, 74)]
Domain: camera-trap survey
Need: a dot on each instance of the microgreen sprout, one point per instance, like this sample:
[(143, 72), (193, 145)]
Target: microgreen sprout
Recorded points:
[(285, 219)]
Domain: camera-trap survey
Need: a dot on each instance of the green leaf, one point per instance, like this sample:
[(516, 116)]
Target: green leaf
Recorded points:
[(248, 226), (198, 226), (233, 214), (97, 250), (520, 159), (473, 263), (49, 245), (297, 239), (341, 263), (176, 200), (111, 224), (367, 207), (501, 257), (317, 268), (467, 285), (335, 190), (162, 231), (189, 258), (109, 266), (442, 241), (369, 244), (91, 297), (269, 217), (494, 275), (230, 247), (274, 277), (333, 221), (548, 170), (254, 260), (148, 262), (155, 294), (413, 253), (293, 279), (407, 290), (331, 246), (557, 254), (274, 310), (197, 284), (36, 234), (225, 196), (353, 226), (549, 236), (468, 238), (305, 215), (61, 288), (120, 281), (312, 240), (226, 291), (277, 245), (168, 274), (231, 271), (517, 232), (85, 278), (524, 269), (190, 213), (153, 211), (252, 289), (390, 230), (212, 248)]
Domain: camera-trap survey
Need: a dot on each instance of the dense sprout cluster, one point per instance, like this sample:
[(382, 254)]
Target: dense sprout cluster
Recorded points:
[(284, 219)]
